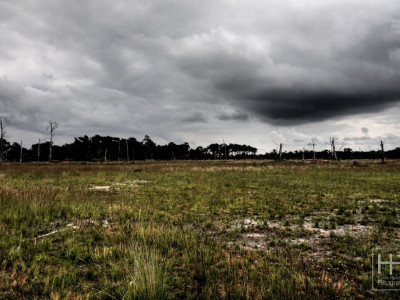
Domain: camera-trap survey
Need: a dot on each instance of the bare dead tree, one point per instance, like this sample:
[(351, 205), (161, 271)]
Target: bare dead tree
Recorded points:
[(334, 148), (38, 151), (313, 147), (383, 153), (332, 142), (3, 133), (20, 153), (52, 126), (226, 157)]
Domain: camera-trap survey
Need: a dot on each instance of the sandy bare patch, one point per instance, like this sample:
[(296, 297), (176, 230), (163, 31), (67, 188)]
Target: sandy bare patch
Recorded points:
[(260, 235), (116, 186), (224, 168), (131, 183), (246, 224), (251, 241), (378, 200), (101, 188)]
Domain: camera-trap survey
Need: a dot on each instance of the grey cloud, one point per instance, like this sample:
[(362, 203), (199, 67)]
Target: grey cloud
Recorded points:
[(11, 95), (196, 117), (392, 137), (299, 141), (118, 66), (357, 138), (364, 130), (240, 116)]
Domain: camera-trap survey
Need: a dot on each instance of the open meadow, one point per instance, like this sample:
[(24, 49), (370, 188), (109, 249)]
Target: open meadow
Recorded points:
[(195, 229)]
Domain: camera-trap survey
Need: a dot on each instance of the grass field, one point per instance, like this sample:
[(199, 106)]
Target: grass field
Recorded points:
[(209, 229)]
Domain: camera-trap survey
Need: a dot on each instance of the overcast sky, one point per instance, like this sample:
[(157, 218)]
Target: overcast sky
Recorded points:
[(259, 72)]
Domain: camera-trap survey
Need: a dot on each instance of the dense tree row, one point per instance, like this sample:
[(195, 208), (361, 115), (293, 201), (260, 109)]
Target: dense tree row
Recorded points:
[(345, 154), (106, 148)]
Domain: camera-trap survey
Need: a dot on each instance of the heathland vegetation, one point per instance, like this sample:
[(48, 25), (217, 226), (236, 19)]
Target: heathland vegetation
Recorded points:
[(195, 229)]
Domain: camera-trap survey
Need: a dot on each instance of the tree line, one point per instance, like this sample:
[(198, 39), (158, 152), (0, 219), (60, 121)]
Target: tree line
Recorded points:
[(106, 148)]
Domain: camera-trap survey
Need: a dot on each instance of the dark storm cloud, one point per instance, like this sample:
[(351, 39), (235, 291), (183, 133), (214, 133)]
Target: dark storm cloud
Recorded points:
[(300, 106), (311, 73)]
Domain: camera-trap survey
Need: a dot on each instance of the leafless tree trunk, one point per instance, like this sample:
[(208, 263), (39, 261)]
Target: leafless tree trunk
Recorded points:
[(52, 126), (38, 151), (226, 156), (3, 132), (383, 154), (333, 149), (20, 154), (313, 148)]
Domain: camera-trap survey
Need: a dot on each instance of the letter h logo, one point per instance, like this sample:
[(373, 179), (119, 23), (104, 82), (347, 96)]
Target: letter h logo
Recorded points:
[(390, 263)]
